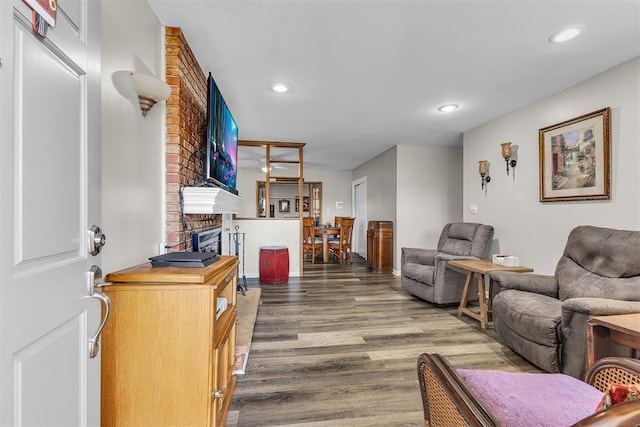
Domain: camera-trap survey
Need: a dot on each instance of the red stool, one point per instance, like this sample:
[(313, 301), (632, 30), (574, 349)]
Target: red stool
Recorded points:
[(274, 265)]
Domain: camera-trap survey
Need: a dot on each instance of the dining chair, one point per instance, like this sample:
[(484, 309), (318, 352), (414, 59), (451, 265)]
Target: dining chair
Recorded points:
[(309, 241), (341, 244)]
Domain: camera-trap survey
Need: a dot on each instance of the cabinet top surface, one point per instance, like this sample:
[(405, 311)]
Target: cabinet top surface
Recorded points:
[(380, 225), (194, 275)]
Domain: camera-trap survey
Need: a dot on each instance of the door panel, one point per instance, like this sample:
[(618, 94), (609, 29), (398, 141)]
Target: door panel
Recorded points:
[(46, 403), (360, 213), (50, 134), (48, 108)]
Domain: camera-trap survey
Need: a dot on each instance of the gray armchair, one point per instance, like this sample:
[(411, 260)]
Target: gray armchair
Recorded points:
[(544, 318), (425, 272)]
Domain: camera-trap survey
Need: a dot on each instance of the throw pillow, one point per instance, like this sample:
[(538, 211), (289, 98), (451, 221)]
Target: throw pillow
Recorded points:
[(618, 393)]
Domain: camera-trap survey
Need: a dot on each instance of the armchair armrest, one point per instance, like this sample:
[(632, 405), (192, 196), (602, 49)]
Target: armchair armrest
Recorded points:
[(418, 256), (441, 256), (600, 306), (446, 400), (602, 373), (621, 415), (622, 370), (528, 282)]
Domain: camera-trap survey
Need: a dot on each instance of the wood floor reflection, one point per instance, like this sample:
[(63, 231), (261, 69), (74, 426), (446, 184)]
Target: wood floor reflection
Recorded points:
[(339, 346)]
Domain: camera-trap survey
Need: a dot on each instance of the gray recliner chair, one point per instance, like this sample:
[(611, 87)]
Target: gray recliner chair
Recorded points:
[(544, 318), (425, 272)]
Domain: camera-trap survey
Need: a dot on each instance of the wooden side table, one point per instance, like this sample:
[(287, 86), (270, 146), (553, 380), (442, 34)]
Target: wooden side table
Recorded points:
[(482, 267), (602, 331)]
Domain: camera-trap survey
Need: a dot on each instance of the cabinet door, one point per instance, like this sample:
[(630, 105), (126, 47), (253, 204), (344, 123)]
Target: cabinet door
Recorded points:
[(224, 351), (224, 383)]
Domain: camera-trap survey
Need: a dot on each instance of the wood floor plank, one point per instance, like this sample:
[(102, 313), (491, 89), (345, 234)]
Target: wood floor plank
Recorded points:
[(339, 346)]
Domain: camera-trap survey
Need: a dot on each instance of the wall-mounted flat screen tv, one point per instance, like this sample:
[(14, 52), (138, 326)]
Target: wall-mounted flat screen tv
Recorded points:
[(221, 165)]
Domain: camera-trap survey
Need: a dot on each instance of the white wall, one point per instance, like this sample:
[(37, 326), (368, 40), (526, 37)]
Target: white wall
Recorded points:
[(416, 187), (336, 187), (132, 145), (535, 231), (381, 175), (428, 195), (269, 232), (246, 186)]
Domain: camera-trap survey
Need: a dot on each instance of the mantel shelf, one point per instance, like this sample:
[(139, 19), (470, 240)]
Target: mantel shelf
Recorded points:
[(210, 200)]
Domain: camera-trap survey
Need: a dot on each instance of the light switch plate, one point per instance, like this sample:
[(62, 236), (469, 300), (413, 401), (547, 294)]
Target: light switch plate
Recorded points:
[(339, 205), (473, 209)]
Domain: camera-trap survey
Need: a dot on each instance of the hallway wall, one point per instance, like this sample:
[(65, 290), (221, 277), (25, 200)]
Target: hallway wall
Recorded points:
[(535, 231)]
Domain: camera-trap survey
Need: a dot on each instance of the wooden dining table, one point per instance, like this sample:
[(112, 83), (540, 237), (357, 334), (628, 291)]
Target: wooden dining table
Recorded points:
[(325, 233)]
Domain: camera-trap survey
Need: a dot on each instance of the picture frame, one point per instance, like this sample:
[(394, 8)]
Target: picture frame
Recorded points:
[(305, 204), (283, 205), (575, 158), (297, 205), (272, 211)]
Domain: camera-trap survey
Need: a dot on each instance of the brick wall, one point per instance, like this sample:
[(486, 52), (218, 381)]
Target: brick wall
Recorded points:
[(186, 137)]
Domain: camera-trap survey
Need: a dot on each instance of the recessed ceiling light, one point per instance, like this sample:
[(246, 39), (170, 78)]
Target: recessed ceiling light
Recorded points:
[(448, 108), (566, 34), (280, 87)]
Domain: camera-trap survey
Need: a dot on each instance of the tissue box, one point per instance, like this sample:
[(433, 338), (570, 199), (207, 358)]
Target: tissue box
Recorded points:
[(511, 261), (499, 258)]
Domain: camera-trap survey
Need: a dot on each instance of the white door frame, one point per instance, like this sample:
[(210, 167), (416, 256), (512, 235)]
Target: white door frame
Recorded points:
[(359, 241)]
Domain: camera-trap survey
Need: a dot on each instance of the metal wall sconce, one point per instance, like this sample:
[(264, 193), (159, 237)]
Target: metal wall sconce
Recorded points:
[(483, 168), (506, 153), (150, 90)]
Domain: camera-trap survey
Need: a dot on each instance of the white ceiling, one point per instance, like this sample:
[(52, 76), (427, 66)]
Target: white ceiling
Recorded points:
[(368, 75)]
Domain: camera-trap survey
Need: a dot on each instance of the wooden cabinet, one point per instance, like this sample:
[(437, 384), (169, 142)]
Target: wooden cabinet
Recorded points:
[(167, 359), (380, 246)]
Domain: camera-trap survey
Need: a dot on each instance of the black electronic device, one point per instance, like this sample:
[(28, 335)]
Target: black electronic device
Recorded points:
[(184, 259), (207, 241)]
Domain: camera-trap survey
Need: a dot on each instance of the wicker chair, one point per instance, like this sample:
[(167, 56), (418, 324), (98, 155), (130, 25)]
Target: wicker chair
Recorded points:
[(449, 400)]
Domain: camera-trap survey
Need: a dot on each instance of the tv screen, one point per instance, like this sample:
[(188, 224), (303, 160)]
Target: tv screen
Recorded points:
[(222, 141)]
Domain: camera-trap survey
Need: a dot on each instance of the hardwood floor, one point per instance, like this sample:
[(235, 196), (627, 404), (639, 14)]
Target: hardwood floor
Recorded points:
[(339, 346)]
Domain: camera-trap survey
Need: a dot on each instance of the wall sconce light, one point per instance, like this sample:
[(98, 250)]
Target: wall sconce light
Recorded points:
[(506, 153), (483, 167), (150, 90)]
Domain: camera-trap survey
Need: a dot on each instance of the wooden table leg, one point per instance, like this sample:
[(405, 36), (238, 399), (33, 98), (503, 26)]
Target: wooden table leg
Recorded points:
[(482, 315), (465, 293), (490, 299), (482, 300), (325, 247)]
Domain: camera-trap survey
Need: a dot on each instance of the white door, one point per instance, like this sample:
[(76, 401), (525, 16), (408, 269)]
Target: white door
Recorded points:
[(359, 195), (50, 196)]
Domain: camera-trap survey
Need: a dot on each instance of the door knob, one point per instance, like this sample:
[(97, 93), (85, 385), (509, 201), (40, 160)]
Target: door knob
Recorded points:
[(96, 239)]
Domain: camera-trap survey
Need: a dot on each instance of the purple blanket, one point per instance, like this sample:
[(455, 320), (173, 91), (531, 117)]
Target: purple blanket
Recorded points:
[(524, 399)]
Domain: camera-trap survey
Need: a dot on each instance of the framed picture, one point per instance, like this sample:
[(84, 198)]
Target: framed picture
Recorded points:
[(283, 205), (305, 204), (297, 205), (272, 211), (575, 156)]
